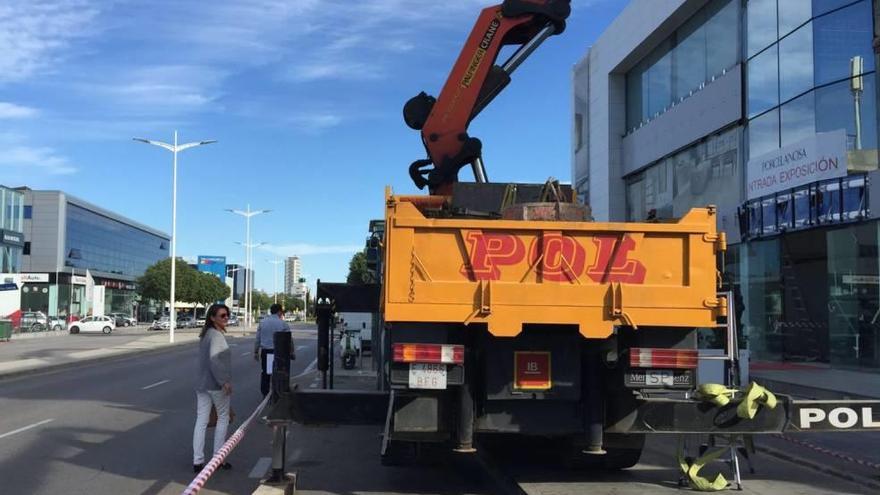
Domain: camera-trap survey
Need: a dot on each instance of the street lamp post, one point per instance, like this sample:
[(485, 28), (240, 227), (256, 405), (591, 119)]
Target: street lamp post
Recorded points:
[(174, 148), (248, 279), (247, 214), (275, 262)]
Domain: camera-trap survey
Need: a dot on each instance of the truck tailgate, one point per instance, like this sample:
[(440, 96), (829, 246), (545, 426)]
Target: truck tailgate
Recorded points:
[(505, 273)]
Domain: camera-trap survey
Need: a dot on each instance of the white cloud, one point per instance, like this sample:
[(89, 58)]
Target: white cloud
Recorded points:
[(158, 89), (304, 249), (22, 160), (13, 111), (35, 35), (316, 121)]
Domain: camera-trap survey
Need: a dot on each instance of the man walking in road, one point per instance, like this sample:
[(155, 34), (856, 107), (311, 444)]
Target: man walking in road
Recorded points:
[(264, 344)]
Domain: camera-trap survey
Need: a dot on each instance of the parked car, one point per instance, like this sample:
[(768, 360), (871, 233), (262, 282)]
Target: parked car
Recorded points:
[(37, 321), (103, 324), (200, 322), (163, 323), (186, 322), (123, 320), (233, 321)]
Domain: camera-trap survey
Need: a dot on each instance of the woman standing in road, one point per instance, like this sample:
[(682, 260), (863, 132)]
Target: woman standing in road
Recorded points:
[(213, 383)]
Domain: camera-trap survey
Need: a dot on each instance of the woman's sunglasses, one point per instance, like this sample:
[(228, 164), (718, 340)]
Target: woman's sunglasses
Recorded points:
[(223, 315)]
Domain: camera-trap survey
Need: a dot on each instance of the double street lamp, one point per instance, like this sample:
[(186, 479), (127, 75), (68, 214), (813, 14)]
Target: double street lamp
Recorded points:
[(247, 214), (248, 277), (174, 148)]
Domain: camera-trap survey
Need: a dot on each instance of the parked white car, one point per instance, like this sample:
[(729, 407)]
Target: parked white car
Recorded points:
[(104, 324)]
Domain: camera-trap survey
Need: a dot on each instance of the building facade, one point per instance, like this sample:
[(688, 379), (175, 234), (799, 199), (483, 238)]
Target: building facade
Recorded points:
[(768, 110), (12, 212), (237, 273), (292, 276), (71, 245)]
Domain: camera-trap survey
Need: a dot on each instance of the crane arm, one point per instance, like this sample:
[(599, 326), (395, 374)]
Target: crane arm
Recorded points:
[(474, 81)]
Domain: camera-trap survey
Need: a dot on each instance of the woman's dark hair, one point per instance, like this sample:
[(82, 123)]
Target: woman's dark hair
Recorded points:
[(212, 312)]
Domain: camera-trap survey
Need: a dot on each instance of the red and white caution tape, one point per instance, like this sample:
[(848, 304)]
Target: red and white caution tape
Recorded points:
[(224, 451), (829, 452)]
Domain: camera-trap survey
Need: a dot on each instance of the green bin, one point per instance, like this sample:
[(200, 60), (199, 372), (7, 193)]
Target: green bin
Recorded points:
[(5, 329)]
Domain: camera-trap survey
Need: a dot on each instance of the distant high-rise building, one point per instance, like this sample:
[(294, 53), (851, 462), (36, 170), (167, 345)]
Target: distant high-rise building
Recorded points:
[(292, 274), (237, 272)]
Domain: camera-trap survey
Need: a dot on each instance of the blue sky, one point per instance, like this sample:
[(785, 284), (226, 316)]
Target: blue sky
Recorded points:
[(304, 96)]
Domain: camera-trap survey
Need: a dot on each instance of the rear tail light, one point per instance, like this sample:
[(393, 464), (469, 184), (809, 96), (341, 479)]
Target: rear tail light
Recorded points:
[(642, 357), (428, 353)]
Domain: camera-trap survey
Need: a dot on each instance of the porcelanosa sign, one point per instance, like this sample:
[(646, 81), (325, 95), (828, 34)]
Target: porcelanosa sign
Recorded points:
[(822, 156)]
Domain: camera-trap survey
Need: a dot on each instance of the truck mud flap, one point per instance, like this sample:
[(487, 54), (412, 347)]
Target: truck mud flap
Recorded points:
[(656, 415), (331, 407)]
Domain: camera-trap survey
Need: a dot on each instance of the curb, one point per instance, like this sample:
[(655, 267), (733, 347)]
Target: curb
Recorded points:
[(37, 335), (857, 479), (54, 368)]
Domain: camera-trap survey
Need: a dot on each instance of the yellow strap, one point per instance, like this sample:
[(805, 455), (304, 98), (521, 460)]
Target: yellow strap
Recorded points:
[(720, 395), (692, 471), (715, 393), (756, 396)]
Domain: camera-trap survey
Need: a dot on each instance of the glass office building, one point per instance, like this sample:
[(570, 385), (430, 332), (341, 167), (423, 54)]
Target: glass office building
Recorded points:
[(11, 238), (72, 245), (676, 114), (809, 266)]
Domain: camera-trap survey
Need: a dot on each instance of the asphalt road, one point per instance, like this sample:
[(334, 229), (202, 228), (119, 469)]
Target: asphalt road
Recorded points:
[(125, 426)]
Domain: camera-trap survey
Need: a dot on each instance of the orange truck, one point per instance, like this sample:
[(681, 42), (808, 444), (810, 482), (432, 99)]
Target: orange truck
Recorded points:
[(510, 312), (539, 327)]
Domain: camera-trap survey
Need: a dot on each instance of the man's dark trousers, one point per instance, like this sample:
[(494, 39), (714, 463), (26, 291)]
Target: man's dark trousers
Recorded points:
[(265, 379)]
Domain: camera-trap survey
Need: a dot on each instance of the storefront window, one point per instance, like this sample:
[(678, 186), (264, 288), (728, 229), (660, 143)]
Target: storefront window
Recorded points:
[(836, 109), (761, 25), (700, 175), (854, 295), (763, 81), (798, 119), (792, 14), (722, 47), (692, 47), (705, 47), (840, 36), (796, 63), (763, 133), (659, 80), (761, 285)]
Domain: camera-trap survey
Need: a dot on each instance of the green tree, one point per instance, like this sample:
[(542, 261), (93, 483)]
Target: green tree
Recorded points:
[(291, 303), (357, 270), (155, 283)]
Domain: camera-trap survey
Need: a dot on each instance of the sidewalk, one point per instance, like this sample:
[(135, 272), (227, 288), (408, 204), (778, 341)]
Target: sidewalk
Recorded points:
[(20, 357), (815, 382), (852, 455), (53, 351)]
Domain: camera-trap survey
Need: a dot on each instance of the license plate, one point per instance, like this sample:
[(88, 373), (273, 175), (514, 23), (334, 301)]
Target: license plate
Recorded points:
[(427, 376), (655, 378), (659, 378)]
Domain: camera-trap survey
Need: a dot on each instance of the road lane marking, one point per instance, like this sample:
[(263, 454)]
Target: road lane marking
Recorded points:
[(311, 367), (261, 467), (246, 353), (155, 384), (25, 428), (301, 347)]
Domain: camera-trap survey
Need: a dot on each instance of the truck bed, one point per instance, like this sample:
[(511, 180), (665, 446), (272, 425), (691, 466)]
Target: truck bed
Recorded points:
[(506, 273)]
